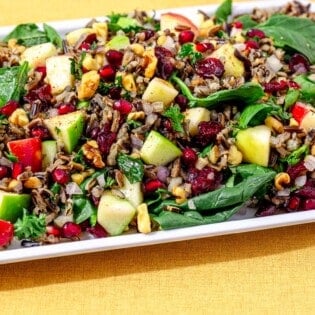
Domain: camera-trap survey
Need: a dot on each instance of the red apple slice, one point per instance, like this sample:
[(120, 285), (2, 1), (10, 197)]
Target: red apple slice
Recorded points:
[(174, 21), (304, 115)]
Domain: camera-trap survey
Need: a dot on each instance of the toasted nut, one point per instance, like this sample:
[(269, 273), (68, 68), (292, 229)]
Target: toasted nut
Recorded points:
[(89, 84), (89, 63), (92, 153), (274, 124), (13, 184), (143, 219), (201, 163), (313, 150), (150, 62), (138, 49), (180, 194), (101, 30), (235, 157), (32, 183), (136, 115), (19, 118), (128, 83), (282, 179), (214, 154)]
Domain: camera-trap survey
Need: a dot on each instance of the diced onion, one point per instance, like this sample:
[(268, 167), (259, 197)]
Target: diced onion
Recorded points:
[(309, 163), (73, 189), (300, 181), (273, 63)]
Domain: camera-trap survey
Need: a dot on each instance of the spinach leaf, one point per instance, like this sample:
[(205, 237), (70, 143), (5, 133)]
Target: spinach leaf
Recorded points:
[(307, 87), (188, 50), (254, 115), (290, 31), (52, 35), (291, 98), (133, 168), (83, 209), (176, 117), (296, 156), (246, 21), (223, 11), (12, 82), (247, 93), (171, 220)]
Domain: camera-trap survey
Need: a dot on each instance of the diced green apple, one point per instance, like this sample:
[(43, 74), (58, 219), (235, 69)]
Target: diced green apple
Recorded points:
[(158, 150), (132, 192), (49, 151), (114, 213), (118, 42), (194, 116), (159, 90), (12, 205), (254, 144), (36, 55), (66, 129)]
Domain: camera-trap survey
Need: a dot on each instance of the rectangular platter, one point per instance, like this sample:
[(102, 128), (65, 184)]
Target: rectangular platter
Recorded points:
[(240, 223)]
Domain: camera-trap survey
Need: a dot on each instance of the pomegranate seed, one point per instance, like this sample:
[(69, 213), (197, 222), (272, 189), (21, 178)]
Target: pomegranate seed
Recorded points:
[(40, 132), (42, 94), (207, 132), (6, 232), (52, 230), (167, 125), (90, 39), (123, 106), (165, 63), (306, 191), (105, 141), (152, 185), (94, 132), (296, 170), (294, 203), (210, 66), (189, 157), (4, 171), (251, 44), (42, 70), (97, 231), (60, 176), (254, 32), (108, 73), (114, 57), (274, 86), (9, 108), (186, 36), (85, 46), (71, 230), (17, 169), (66, 108), (299, 64), (308, 204), (203, 47), (238, 24), (182, 101)]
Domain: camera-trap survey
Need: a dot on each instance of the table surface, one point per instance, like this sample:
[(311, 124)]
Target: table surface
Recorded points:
[(264, 272)]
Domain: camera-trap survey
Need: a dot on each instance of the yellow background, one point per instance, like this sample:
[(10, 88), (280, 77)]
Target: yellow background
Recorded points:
[(265, 272)]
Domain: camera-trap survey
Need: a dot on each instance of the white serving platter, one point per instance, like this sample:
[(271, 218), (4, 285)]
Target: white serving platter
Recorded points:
[(240, 223)]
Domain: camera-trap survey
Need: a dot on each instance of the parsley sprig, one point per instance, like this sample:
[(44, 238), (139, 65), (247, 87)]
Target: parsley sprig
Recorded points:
[(188, 50), (176, 117)]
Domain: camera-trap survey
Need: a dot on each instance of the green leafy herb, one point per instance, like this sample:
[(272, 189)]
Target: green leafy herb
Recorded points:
[(105, 87), (30, 226), (109, 181), (76, 66), (132, 167), (247, 93), (10, 156), (223, 11), (176, 117), (122, 22), (29, 34), (246, 21), (296, 156), (291, 98), (188, 50), (132, 124), (290, 31), (12, 82), (307, 87), (204, 153), (83, 209)]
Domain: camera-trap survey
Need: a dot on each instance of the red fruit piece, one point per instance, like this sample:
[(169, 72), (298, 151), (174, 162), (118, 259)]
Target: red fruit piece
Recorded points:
[(108, 73), (152, 185), (209, 67), (189, 156), (4, 171), (53, 230), (294, 203), (88, 41), (42, 70), (71, 230), (296, 170), (66, 108), (9, 108), (123, 106), (60, 176), (203, 47), (105, 141), (6, 232), (298, 111), (238, 24), (308, 204), (186, 36), (255, 33), (114, 57), (299, 64), (17, 169), (97, 231), (274, 86), (251, 44), (40, 132), (207, 132)]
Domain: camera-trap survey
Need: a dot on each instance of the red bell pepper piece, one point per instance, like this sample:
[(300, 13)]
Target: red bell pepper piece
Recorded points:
[(298, 111), (28, 152), (6, 232)]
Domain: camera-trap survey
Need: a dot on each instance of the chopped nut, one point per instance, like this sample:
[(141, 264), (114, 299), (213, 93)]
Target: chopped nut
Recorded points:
[(19, 118), (32, 183), (201, 163), (282, 179), (214, 154), (138, 49), (13, 184), (313, 150), (180, 193), (234, 156), (128, 83), (274, 124), (143, 219), (136, 115), (150, 62), (92, 153), (89, 84)]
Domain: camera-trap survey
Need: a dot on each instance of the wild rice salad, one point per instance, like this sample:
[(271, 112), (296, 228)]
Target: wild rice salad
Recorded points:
[(145, 123)]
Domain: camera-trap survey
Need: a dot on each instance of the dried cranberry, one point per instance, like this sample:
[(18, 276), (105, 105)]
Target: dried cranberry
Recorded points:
[(203, 47), (123, 106), (42, 71), (182, 101), (296, 170), (114, 92), (108, 73), (209, 67), (255, 33), (306, 191), (53, 230), (266, 209), (97, 231), (39, 98), (238, 24), (294, 203), (189, 157), (299, 64), (71, 230), (152, 185), (114, 57), (85, 46), (94, 132), (17, 169), (6, 232), (9, 108), (203, 180), (251, 44), (105, 141), (165, 64), (207, 132), (148, 34), (166, 125), (308, 204), (186, 36), (161, 52), (60, 176), (66, 108), (88, 41), (4, 171), (40, 132), (274, 86)]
